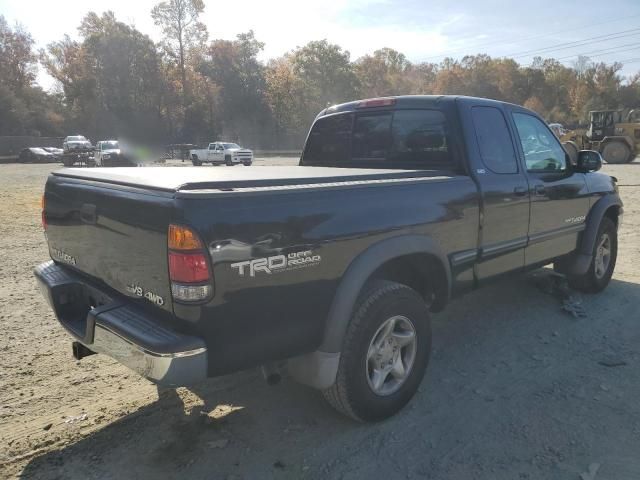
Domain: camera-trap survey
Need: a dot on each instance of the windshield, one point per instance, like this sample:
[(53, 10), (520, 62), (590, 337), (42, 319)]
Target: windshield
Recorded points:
[(231, 145), (401, 139), (76, 139), (110, 145)]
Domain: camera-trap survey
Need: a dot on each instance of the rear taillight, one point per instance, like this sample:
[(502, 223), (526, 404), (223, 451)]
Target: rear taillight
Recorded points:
[(43, 216), (189, 269)]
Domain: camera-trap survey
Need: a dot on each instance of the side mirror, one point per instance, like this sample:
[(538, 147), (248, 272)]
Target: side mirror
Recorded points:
[(588, 161)]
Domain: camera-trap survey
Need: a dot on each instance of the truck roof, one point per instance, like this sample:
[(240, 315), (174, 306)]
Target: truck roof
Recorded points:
[(411, 101), (173, 179)]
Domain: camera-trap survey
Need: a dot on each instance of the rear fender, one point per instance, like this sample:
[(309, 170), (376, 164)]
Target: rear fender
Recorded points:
[(319, 369)]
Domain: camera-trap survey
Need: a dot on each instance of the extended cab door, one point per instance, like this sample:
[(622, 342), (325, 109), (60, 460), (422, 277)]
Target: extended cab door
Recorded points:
[(211, 152), (559, 196), (218, 153), (503, 186)]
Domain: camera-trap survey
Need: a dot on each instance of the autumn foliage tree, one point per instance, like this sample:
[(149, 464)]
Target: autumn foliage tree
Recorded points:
[(114, 80)]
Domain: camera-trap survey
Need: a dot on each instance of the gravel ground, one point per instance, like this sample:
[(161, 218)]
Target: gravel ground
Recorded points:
[(516, 388)]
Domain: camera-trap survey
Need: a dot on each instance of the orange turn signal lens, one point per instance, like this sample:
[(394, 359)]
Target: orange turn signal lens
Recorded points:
[(183, 238)]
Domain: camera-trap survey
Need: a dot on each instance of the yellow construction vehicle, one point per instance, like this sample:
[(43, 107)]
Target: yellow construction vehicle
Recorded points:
[(616, 137)]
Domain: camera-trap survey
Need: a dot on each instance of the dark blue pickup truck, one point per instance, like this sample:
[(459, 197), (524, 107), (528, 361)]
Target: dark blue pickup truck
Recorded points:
[(329, 268)]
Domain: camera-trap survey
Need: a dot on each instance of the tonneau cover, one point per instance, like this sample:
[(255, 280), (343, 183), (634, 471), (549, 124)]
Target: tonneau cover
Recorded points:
[(173, 179)]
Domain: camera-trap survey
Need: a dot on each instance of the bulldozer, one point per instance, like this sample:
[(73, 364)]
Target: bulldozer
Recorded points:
[(615, 136)]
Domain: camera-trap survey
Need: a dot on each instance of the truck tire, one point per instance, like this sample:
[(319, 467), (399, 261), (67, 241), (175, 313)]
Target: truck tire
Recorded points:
[(616, 152), (384, 355), (195, 161), (603, 260), (228, 161)]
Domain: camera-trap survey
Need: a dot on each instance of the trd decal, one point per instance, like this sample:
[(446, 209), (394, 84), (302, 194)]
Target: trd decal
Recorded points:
[(277, 263)]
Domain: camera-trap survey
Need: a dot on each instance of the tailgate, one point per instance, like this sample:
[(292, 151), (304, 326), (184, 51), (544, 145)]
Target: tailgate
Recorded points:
[(115, 234)]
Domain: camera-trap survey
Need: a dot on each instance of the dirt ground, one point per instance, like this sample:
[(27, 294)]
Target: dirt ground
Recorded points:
[(516, 388)]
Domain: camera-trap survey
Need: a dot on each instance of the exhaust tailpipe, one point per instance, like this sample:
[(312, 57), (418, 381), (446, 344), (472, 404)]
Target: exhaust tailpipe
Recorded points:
[(80, 351)]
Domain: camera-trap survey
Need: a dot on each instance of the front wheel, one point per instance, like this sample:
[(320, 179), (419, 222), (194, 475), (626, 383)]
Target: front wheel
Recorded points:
[(385, 353), (603, 260)]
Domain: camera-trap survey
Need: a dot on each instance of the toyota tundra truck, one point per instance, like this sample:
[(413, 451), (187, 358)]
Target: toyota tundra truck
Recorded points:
[(328, 269)]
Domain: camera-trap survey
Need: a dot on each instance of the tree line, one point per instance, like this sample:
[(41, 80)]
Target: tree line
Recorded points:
[(115, 81)]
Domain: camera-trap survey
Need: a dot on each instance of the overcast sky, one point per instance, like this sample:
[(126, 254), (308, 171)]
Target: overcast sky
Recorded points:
[(422, 30)]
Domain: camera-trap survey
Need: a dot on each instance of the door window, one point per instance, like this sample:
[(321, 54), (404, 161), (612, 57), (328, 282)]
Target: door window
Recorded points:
[(494, 140), (542, 151)]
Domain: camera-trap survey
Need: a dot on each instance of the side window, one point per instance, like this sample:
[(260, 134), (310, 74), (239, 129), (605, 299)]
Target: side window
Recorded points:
[(494, 141), (542, 151), (372, 136)]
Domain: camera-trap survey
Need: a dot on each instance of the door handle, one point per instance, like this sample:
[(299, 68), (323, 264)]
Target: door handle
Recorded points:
[(539, 190), (520, 191)]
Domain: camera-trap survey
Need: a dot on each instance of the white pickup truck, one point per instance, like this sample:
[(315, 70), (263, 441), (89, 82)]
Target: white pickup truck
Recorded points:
[(219, 153)]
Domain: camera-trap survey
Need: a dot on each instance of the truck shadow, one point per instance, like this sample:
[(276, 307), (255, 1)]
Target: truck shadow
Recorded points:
[(495, 353)]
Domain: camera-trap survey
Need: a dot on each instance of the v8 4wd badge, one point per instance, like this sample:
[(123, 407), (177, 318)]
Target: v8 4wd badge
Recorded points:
[(138, 291)]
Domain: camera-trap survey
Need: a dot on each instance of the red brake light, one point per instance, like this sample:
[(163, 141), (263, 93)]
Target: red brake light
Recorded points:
[(188, 267), (376, 102)]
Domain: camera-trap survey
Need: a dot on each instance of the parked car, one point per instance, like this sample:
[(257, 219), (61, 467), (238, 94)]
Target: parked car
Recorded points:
[(331, 267), (218, 153), (56, 152), (109, 154), (36, 154), (77, 150), (76, 143), (558, 129)]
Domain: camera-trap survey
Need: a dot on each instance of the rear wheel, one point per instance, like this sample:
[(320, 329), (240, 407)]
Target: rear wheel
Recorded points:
[(196, 162), (385, 353), (616, 152), (603, 260)]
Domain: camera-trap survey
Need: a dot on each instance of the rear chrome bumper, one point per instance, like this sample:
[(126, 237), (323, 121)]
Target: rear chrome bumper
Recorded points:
[(121, 330)]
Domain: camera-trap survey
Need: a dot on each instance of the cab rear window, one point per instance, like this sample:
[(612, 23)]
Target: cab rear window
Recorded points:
[(390, 139)]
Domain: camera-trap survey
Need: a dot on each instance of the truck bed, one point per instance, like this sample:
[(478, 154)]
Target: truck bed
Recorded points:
[(173, 179)]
